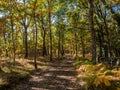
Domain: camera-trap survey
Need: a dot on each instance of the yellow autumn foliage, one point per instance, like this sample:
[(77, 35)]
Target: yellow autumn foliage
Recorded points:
[(102, 80), (118, 88), (99, 73)]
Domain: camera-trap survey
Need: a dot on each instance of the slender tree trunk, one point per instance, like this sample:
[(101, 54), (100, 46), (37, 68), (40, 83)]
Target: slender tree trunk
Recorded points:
[(59, 45), (33, 32), (48, 49), (108, 44), (71, 47), (76, 17), (44, 44), (100, 39), (13, 40), (76, 50), (91, 27), (62, 50), (62, 44), (36, 36), (108, 38), (49, 16), (100, 44), (4, 36), (106, 51), (44, 53), (35, 52), (26, 42), (83, 46), (25, 31)]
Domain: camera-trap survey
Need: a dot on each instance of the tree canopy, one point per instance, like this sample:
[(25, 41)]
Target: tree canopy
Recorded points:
[(53, 28)]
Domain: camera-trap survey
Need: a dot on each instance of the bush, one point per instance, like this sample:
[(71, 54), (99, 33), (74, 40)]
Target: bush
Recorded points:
[(97, 77)]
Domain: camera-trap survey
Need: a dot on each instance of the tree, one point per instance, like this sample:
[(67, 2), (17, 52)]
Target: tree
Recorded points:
[(50, 33), (91, 27), (44, 53), (36, 34)]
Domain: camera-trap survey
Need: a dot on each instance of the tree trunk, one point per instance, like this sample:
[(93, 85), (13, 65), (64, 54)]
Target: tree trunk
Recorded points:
[(44, 52), (100, 39), (13, 40), (36, 36), (100, 44), (44, 44), (26, 42), (83, 46), (35, 52), (62, 44), (107, 34), (108, 38), (76, 50), (4, 36), (25, 31), (49, 16), (91, 27), (59, 45)]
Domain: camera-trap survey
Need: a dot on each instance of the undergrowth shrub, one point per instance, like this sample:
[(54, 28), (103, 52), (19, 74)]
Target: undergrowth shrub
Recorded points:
[(98, 76)]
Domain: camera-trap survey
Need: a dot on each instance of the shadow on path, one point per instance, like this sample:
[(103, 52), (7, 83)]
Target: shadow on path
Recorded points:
[(59, 75)]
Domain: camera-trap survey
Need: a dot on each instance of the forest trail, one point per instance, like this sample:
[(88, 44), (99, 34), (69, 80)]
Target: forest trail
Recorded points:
[(59, 75)]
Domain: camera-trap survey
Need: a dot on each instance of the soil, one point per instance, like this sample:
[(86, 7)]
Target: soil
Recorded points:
[(59, 75)]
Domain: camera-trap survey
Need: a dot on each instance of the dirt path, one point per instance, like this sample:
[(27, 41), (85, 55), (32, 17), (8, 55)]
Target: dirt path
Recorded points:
[(57, 76)]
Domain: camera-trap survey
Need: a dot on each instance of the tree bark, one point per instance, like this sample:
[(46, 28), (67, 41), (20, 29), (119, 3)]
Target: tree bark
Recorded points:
[(35, 52), (62, 44), (91, 27), (83, 46), (25, 31), (4, 36), (13, 40), (36, 36), (44, 52), (26, 42), (108, 38), (76, 50), (49, 17), (44, 44), (59, 44)]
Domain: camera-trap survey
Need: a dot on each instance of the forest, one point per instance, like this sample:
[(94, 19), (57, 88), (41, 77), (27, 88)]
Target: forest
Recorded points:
[(59, 44)]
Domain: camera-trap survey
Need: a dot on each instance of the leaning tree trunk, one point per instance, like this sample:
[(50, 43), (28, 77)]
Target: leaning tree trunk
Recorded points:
[(91, 27)]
